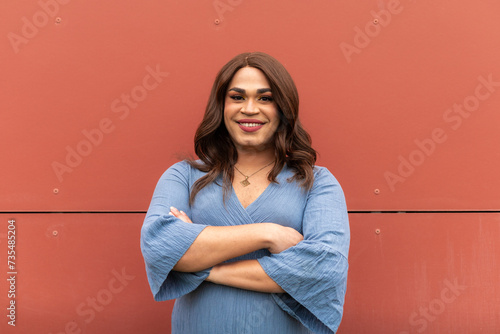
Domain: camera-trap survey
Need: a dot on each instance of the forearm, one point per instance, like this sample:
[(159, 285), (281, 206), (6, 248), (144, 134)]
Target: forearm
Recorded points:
[(247, 274), (216, 244)]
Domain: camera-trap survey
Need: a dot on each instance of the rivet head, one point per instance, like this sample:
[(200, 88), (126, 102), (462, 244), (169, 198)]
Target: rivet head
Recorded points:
[(375, 21), (58, 20), (55, 233), (377, 231), (56, 191), (376, 191), (217, 21)]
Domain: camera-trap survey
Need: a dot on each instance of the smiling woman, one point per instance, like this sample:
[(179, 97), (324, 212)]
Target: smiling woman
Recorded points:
[(263, 250), (250, 114)]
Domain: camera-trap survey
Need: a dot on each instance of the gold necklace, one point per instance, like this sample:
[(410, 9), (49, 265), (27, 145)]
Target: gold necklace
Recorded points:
[(245, 182)]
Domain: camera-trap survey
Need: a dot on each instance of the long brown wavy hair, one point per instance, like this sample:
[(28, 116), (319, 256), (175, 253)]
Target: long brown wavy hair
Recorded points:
[(215, 148)]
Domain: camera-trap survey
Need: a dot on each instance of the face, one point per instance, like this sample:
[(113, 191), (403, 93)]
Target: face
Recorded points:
[(250, 113)]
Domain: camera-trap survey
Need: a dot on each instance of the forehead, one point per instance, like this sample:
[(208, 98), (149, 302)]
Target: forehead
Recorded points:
[(248, 78)]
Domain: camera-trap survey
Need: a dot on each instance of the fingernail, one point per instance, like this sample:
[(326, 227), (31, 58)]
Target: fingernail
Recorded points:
[(183, 212), (170, 213)]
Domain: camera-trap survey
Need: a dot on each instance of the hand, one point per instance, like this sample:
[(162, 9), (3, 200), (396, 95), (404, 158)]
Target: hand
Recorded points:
[(283, 237), (212, 274), (179, 214)]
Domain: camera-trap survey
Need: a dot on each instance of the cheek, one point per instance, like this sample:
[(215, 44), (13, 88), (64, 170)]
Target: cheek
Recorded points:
[(228, 110), (225, 112), (227, 120), (274, 129), (276, 118)]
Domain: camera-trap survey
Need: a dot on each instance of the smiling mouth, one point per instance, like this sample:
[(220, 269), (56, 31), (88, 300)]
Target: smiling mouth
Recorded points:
[(250, 122), (250, 125)]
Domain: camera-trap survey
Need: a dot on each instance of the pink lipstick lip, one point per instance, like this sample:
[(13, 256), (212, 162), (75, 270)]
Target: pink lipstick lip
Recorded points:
[(240, 123), (250, 128), (249, 121)]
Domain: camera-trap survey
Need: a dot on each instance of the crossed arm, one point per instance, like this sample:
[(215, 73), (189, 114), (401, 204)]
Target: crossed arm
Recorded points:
[(216, 244)]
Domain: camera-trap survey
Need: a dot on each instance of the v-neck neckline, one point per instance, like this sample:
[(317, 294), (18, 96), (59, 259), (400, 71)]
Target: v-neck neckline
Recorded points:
[(262, 195)]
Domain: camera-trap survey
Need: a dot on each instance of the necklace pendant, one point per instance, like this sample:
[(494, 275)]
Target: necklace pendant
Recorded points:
[(245, 182)]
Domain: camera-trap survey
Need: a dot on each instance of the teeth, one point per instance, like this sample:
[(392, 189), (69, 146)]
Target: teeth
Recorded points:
[(250, 125)]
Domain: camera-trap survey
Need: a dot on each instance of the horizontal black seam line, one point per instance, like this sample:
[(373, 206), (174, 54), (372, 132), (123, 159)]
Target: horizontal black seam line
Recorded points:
[(350, 211)]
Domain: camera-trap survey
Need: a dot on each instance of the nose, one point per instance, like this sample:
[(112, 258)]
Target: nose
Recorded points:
[(250, 108)]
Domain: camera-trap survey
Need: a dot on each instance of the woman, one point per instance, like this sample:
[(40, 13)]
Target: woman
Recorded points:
[(251, 238)]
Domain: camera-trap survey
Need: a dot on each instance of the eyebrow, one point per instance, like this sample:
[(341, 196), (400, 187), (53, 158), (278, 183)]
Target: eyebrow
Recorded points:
[(242, 91)]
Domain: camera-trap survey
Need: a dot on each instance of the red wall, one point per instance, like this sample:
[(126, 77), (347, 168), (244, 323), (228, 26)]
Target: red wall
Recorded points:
[(401, 99)]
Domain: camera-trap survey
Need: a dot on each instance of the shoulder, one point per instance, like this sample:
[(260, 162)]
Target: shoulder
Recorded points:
[(179, 168), (324, 180), (322, 175), (185, 166), (182, 171)]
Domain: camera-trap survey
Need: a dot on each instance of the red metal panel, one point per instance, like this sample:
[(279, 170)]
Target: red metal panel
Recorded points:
[(409, 273), (399, 96), (89, 111), (423, 273), (78, 273)]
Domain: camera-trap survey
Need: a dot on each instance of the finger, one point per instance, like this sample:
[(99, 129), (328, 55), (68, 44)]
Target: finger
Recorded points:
[(174, 211), (185, 217), (179, 214)]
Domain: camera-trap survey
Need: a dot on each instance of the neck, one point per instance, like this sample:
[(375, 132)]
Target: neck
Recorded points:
[(255, 159)]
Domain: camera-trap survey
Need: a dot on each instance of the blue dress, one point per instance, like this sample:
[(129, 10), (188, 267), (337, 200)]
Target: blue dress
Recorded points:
[(313, 273)]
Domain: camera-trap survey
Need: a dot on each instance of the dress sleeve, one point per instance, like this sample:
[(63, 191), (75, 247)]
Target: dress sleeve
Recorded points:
[(314, 272), (165, 238)]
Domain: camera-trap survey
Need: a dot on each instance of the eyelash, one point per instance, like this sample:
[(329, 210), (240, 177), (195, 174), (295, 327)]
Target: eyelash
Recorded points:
[(268, 98), (236, 97), (262, 98)]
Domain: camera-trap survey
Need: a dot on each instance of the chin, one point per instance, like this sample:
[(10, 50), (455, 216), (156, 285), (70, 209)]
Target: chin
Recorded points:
[(254, 146)]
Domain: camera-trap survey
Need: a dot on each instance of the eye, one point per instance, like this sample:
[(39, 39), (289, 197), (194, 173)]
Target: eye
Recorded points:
[(236, 97), (266, 98)]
